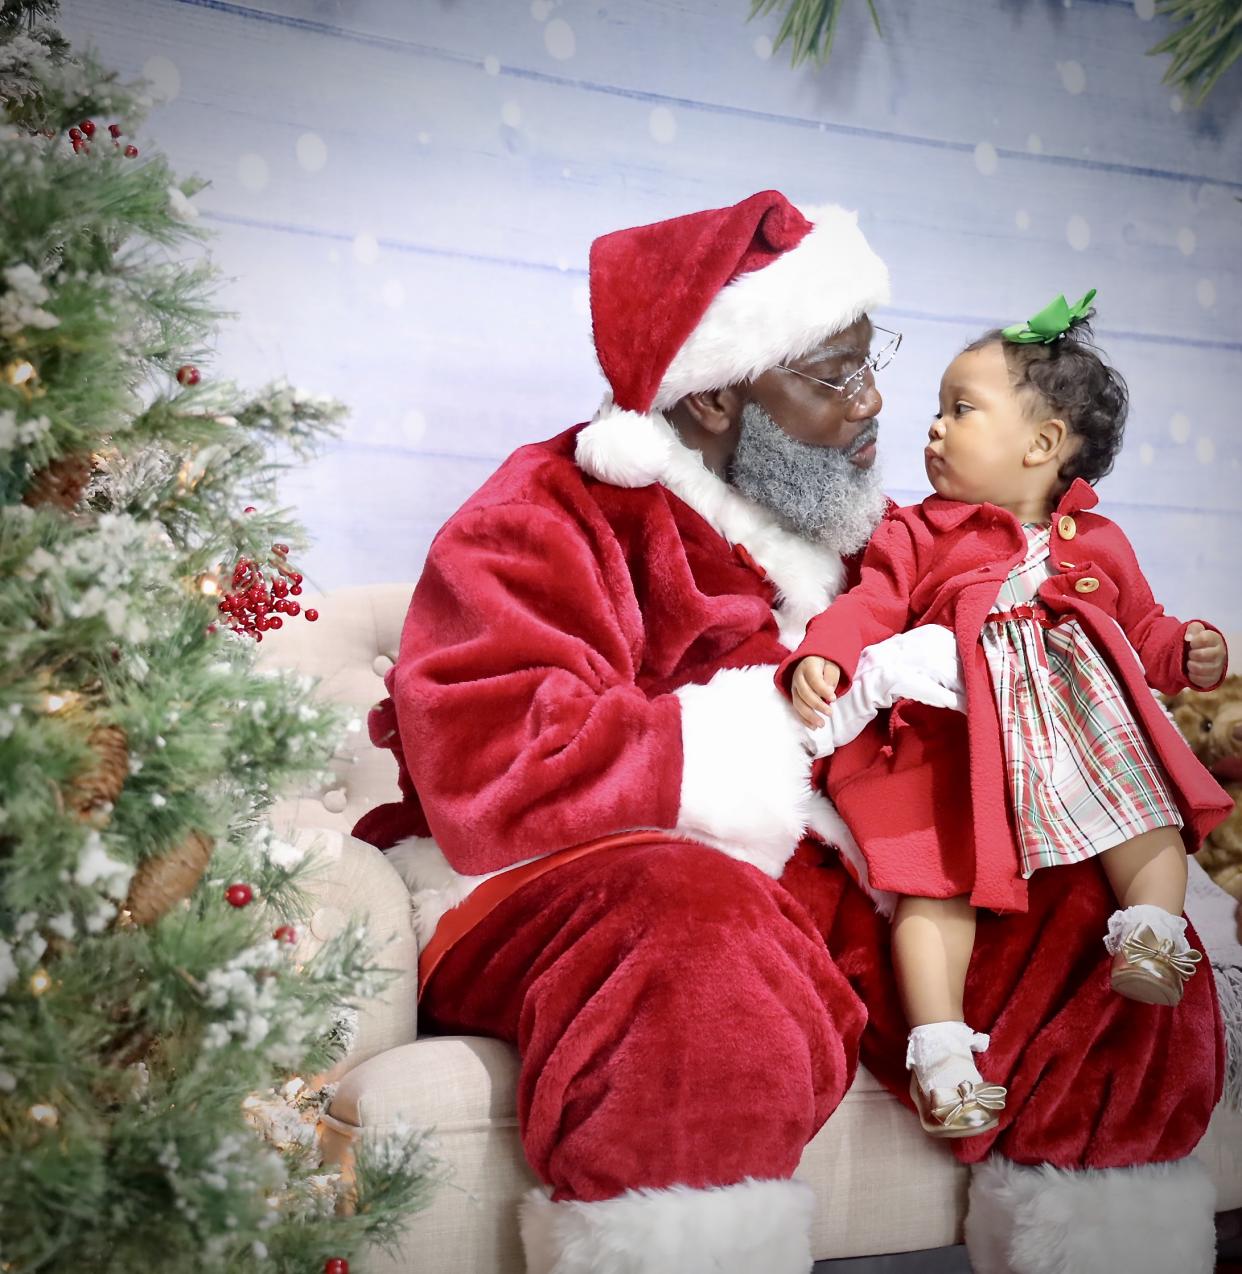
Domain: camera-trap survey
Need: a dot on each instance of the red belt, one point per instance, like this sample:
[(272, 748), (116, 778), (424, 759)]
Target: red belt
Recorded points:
[(1040, 614), (459, 920)]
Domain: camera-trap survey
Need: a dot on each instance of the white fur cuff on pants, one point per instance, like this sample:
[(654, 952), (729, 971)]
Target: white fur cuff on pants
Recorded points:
[(1041, 1220), (745, 785), (754, 1227)]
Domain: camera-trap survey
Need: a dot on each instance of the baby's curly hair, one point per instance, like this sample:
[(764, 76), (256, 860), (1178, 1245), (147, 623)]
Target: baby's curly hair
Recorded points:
[(1069, 379)]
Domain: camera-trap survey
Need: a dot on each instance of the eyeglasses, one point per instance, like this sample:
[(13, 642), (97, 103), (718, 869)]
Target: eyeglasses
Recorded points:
[(856, 381)]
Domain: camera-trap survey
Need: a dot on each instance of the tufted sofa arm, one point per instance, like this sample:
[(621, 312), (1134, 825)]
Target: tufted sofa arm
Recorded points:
[(350, 880)]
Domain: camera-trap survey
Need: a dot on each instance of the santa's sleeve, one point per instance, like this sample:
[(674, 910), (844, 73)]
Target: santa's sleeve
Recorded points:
[(524, 728), (878, 606)]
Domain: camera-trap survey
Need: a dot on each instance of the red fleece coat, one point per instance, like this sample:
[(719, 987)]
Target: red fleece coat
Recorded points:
[(531, 704), (942, 562)]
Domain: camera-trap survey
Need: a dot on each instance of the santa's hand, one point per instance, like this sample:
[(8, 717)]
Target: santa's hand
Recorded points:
[(921, 664)]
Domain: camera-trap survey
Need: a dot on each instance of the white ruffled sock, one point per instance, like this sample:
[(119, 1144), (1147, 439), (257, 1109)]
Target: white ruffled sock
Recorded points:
[(940, 1054), (1164, 924)]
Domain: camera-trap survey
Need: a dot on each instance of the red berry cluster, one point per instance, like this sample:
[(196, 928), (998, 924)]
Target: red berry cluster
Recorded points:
[(239, 894), (256, 601), (80, 138)]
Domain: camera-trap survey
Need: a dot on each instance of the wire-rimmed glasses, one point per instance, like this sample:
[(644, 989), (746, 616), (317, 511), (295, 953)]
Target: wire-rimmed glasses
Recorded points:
[(856, 381)]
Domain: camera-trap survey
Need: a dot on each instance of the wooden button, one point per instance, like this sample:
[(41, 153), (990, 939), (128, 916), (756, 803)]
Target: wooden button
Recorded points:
[(1088, 584), (1067, 528)]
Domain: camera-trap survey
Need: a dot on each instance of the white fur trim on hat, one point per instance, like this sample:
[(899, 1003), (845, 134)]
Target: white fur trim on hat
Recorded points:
[(745, 784), (736, 1229), (782, 311), (624, 448), (1043, 1220)]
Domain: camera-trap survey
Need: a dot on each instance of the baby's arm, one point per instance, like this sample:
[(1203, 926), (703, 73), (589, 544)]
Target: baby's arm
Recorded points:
[(1174, 654)]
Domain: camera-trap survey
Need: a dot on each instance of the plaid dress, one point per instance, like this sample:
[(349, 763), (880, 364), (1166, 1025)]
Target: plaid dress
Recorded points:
[(1081, 776)]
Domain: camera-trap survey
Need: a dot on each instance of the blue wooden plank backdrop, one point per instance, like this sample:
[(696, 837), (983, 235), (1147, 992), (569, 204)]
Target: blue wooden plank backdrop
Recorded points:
[(405, 191)]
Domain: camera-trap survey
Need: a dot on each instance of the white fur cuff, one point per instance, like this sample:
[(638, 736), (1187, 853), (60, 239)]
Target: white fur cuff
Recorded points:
[(1042, 1220), (745, 785), (738, 1229)]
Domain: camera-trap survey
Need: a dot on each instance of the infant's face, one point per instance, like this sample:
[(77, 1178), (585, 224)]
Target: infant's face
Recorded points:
[(980, 434)]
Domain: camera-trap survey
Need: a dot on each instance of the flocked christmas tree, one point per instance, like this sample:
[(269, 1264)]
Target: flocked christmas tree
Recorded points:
[(155, 992)]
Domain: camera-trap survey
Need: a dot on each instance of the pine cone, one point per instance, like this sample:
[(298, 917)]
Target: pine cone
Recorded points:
[(161, 883), (60, 483), (102, 783)]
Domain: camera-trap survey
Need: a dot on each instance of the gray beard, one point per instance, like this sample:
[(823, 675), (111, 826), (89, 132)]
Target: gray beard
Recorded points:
[(815, 491)]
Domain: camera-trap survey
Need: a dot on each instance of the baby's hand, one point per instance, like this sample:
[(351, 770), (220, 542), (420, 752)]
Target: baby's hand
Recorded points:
[(1205, 655), (814, 687)]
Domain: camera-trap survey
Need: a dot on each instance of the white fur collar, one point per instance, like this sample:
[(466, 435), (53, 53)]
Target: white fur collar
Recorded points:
[(632, 449)]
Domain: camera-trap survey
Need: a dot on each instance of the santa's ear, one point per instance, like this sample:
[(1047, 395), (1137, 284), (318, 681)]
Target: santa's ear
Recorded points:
[(714, 410)]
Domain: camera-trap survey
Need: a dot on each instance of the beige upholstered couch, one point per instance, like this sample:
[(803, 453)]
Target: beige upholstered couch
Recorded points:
[(883, 1185)]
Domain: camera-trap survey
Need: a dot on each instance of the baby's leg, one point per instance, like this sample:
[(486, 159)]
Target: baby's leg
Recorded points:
[(932, 942), (1150, 869), (1151, 957)]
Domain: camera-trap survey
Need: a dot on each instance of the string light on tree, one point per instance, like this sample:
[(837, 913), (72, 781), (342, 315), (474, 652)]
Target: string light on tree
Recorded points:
[(45, 1114), (40, 982)]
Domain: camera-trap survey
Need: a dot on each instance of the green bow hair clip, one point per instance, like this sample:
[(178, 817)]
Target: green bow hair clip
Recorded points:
[(1052, 322)]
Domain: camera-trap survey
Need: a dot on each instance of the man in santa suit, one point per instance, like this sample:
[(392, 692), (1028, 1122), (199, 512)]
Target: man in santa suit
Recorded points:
[(622, 864)]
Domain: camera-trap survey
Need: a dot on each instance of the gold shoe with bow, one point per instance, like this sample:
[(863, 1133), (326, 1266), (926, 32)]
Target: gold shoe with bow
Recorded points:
[(1150, 969), (964, 1111)]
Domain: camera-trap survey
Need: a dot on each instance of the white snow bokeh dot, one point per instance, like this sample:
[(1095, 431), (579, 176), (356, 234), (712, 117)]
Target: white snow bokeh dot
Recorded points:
[(663, 124), (511, 114), (393, 293), (491, 64), (163, 77), (1147, 454), (1205, 449), (1146, 9), (366, 248), (763, 48), (985, 158), (1022, 219), (1073, 77), (1205, 290), (580, 300), (312, 152), (1186, 241), (413, 426), (558, 39), (1176, 103), (1035, 144), (252, 171), (540, 10), (1179, 427), (1078, 232)]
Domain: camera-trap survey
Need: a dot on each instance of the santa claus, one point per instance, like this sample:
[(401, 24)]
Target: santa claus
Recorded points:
[(623, 862)]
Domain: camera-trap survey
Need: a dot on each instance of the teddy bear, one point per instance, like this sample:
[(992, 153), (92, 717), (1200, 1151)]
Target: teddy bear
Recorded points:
[(1211, 722)]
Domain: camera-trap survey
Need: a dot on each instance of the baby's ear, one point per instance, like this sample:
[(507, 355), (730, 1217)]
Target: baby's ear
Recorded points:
[(1051, 441)]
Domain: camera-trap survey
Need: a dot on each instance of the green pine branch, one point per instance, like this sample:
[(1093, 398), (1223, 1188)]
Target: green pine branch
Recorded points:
[(1205, 44), (808, 26)]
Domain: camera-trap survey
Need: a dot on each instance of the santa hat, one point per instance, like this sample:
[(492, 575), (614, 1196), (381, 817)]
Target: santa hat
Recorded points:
[(708, 300)]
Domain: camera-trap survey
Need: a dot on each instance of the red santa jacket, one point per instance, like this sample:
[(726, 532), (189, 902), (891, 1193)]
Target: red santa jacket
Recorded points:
[(582, 659), (942, 562)]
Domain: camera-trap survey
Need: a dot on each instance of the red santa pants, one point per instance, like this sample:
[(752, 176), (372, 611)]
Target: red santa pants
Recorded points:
[(683, 1019)]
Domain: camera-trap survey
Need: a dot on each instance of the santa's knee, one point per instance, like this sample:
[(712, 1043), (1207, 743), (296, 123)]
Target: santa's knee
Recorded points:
[(697, 1034)]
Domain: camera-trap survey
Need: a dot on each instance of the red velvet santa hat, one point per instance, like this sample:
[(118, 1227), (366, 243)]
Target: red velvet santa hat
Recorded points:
[(710, 299)]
